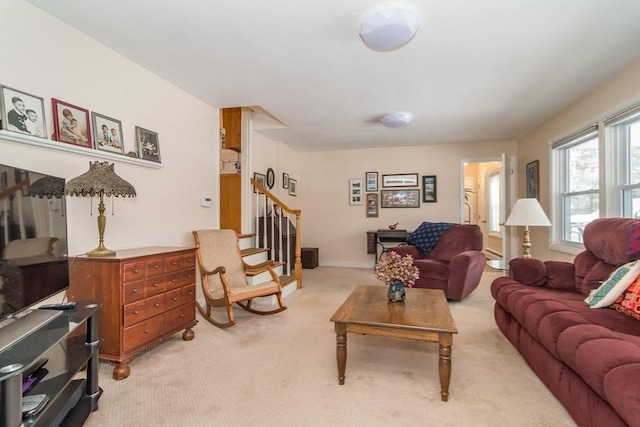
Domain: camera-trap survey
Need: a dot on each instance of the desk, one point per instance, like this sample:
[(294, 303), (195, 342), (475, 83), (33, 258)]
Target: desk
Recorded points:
[(377, 238)]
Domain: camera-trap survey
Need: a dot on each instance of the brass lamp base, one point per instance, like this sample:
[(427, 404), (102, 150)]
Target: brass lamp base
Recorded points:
[(101, 251), (526, 244)]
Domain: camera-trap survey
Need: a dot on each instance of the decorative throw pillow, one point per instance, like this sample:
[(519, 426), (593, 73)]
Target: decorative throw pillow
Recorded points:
[(629, 301), (614, 286)]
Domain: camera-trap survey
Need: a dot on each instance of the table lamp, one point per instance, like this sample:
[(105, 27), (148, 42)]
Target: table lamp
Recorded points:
[(101, 180), (527, 213)]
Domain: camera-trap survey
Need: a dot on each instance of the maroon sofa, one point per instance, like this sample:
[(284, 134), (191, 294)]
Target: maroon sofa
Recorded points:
[(589, 358), (454, 264)]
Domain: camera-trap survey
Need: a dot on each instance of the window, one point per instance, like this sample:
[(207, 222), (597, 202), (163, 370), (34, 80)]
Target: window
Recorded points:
[(596, 174), (623, 133), (494, 203)]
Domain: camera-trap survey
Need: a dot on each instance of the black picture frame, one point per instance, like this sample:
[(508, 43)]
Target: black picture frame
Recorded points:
[(533, 179), (371, 181), (260, 179), (271, 178), (293, 187), (400, 180), (429, 189)]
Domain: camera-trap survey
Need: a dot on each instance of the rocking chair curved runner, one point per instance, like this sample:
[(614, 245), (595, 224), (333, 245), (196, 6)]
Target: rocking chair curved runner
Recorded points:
[(224, 279)]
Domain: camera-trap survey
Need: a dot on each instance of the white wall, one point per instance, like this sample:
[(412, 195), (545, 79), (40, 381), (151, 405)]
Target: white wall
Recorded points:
[(621, 90), (339, 230), (43, 56)]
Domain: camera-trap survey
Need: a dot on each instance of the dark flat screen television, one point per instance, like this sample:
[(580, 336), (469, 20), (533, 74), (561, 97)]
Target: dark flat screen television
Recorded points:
[(33, 239)]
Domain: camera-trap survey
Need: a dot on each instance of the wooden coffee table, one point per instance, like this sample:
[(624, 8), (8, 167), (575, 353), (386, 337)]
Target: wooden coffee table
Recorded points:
[(423, 316)]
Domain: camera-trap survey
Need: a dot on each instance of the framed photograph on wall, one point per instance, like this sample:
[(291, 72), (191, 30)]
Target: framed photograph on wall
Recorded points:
[(107, 133), (400, 198), (293, 187), (148, 144), (372, 205), (356, 191), (371, 179), (429, 189), (260, 179), (22, 113), (400, 180), (533, 179), (285, 180), (71, 124)]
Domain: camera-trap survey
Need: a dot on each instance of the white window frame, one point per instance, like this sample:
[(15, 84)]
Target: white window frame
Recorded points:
[(612, 181)]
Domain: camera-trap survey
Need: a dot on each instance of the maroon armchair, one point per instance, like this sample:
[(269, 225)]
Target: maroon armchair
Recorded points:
[(454, 265)]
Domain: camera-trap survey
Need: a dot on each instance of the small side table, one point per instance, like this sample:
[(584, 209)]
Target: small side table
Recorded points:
[(499, 265)]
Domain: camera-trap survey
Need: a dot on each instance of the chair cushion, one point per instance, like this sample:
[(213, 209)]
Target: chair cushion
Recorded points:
[(432, 269)]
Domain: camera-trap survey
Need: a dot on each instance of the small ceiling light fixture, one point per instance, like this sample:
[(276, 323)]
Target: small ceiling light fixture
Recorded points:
[(389, 28), (397, 119)]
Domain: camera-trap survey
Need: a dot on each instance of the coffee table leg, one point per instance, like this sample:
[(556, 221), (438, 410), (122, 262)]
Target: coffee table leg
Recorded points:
[(444, 364), (341, 350)]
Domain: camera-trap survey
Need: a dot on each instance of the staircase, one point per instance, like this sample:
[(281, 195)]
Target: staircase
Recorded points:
[(254, 255)]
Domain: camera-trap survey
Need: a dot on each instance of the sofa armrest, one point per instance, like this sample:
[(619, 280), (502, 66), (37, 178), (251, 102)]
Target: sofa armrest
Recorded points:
[(528, 271), (465, 271), (404, 250)]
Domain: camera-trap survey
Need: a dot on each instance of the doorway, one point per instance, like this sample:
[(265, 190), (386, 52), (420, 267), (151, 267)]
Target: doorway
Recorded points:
[(485, 190)]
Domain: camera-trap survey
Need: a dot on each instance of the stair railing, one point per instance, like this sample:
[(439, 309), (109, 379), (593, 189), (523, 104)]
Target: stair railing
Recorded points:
[(272, 214)]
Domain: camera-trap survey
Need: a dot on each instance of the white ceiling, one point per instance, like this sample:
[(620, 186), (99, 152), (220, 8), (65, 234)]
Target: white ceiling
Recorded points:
[(477, 70)]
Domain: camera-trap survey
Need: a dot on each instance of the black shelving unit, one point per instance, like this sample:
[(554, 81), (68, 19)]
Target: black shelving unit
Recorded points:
[(73, 394)]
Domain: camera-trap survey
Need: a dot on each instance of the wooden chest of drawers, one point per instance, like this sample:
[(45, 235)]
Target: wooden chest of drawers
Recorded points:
[(148, 294)]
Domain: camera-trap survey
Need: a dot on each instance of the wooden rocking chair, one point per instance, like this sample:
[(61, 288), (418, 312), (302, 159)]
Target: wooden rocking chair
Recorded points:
[(224, 280)]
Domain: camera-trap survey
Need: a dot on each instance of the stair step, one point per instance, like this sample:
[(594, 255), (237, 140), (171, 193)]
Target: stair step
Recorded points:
[(285, 280), (251, 273), (252, 251)]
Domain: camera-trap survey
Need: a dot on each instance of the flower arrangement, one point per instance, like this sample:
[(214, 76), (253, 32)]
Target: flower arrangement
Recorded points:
[(394, 268)]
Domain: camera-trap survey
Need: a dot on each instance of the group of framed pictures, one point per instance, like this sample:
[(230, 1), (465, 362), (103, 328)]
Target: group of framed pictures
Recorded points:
[(289, 184), (394, 194), (268, 181), (25, 113)]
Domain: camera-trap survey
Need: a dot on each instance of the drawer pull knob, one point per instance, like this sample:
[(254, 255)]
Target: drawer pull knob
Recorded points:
[(155, 285), (156, 305), (174, 263), (136, 312), (156, 266), (135, 269), (146, 331), (135, 290), (181, 315), (174, 298)]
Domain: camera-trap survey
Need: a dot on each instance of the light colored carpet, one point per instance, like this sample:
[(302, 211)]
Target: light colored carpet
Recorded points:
[(281, 370)]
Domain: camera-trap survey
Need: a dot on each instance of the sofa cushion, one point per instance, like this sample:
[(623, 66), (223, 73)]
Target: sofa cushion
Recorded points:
[(614, 286), (621, 243), (457, 239), (629, 302), (594, 278)]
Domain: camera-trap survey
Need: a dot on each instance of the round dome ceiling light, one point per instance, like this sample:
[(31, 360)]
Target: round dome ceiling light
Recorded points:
[(390, 28), (396, 120)]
